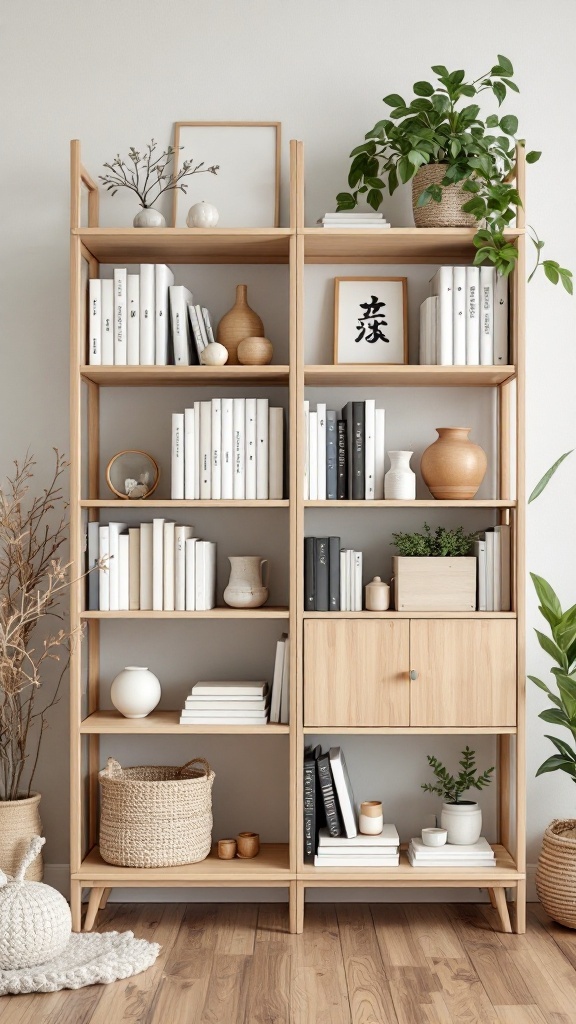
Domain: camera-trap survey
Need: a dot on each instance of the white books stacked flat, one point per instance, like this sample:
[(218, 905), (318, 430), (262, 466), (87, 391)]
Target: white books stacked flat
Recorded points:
[(477, 855), (226, 703), (360, 851), (228, 448), (492, 549), (464, 322), (354, 220)]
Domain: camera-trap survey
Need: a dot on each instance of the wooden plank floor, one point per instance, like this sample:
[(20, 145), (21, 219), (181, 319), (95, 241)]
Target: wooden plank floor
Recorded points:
[(354, 964)]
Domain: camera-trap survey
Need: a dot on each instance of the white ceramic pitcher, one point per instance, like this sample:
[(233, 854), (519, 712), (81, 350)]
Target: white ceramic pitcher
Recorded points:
[(246, 587)]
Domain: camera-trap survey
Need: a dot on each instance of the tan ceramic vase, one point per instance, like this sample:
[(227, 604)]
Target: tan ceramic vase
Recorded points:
[(255, 351), (453, 467), (238, 323), (19, 821)]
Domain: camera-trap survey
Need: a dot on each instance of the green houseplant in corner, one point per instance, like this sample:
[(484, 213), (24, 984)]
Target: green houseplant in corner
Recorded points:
[(461, 818), (434, 571)]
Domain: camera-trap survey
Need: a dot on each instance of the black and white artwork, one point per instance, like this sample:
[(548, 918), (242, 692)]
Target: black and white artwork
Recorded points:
[(370, 320)]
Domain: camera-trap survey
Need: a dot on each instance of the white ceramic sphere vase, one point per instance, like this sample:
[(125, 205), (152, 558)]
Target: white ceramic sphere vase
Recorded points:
[(148, 217), (135, 691), (463, 822), (400, 480)]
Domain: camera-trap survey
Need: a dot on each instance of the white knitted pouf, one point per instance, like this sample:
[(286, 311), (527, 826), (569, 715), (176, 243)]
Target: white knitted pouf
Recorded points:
[(35, 922)]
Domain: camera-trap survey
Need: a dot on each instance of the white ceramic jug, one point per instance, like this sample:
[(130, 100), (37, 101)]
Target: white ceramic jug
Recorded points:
[(246, 587)]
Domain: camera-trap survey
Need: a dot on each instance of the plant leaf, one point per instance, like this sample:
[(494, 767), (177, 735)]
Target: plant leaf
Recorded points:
[(533, 156), (562, 747), (546, 596), (550, 647), (422, 89), (557, 763), (543, 483), (509, 124), (505, 64), (394, 100)]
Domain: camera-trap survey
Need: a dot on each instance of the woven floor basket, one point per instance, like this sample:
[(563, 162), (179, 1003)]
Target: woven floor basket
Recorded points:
[(156, 816), (19, 821), (556, 872), (447, 213)]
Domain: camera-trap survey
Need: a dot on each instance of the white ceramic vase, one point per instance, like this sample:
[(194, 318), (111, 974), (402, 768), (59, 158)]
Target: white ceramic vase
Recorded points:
[(400, 480), (135, 692), (202, 215), (148, 217), (214, 355), (246, 587), (463, 822)]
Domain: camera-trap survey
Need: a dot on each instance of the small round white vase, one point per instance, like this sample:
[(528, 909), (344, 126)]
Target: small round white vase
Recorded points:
[(202, 215), (463, 822), (148, 217), (400, 480), (214, 354), (135, 692)]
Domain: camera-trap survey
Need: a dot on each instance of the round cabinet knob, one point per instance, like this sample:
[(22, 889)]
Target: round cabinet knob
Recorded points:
[(413, 674)]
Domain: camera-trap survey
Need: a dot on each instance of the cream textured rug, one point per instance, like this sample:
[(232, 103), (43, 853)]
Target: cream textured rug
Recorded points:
[(89, 959)]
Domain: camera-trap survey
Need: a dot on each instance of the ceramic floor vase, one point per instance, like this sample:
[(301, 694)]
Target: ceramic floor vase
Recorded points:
[(19, 821), (453, 467), (448, 212), (238, 323), (246, 588), (462, 821), (400, 480)]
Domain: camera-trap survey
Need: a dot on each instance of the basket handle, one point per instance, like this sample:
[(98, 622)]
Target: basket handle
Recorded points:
[(112, 769), (197, 760)]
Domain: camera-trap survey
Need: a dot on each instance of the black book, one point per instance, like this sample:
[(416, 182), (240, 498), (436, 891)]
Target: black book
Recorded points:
[(309, 589), (311, 822), (354, 414), (326, 783), (342, 463), (321, 574), (334, 574), (331, 456)]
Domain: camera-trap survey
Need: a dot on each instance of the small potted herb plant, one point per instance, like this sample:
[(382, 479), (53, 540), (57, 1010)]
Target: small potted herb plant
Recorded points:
[(434, 571), (461, 818)]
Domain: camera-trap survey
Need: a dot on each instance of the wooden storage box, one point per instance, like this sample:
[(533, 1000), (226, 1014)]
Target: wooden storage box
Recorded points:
[(434, 584)]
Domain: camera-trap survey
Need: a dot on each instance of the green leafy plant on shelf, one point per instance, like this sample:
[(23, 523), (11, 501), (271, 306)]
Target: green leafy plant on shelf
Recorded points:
[(439, 126), (442, 543), (451, 787)]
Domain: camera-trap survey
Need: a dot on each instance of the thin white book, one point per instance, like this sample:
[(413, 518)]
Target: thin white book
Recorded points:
[(433, 330), (247, 706), (262, 448), (343, 582), (358, 851), (179, 299), (321, 450), (205, 450), (230, 687), (487, 275), (124, 572), (350, 580), (163, 278), (239, 428), (107, 321), (465, 862), (481, 848), (472, 316), (313, 460), (369, 449), (197, 335), (441, 285), (95, 321), (251, 448), (306, 450), (285, 698), (357, 581), (203, 594), (208, 325), (120, 349), (190, 557), (115, 530), (158, 565), (196, 449), (344, 790), (376, 861), (134, 568), (147, 315), (380, 453), (489, 535), (245, 720), (104, 572), (459, 316), (505, 555), (199, 714), (168, 567), (275, 699), (423, 340), (479, 548), (201, 325), (189, 455), (276, 454), (146, 566), (216, 449), (227, 448), (500, 320), (177, 465), (497, 573), (181, 535), (133, 319), (388, 837), (353, 215)]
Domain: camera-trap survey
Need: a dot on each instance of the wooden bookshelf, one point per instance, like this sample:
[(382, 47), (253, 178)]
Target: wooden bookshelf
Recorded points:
[(165, 723)]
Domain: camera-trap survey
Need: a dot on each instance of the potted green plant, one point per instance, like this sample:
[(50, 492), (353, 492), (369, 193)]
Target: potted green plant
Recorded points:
[(461, 818), (434, 571), (461, 163)]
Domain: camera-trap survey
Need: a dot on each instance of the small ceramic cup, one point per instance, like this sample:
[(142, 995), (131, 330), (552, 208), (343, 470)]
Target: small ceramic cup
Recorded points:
[(248, 844), (227, 849), (371, 820), (434, 836)]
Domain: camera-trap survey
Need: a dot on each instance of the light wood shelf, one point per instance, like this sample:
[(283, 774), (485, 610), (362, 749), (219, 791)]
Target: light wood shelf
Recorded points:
[(189, 376), (271, 865), (214, 613), (405, 875), (416, 503), (409, 615), (327, 376), (160, 723), (393, 245), (120, 504), (185, 245), (412, 730)]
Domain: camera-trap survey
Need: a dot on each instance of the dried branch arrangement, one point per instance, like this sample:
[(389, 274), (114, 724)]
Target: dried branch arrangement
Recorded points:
[(146, 174)]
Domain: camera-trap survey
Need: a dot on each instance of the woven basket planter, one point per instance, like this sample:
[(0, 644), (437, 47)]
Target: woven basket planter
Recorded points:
[(556, 872), (448, 212), (19, 821), (156, 816)]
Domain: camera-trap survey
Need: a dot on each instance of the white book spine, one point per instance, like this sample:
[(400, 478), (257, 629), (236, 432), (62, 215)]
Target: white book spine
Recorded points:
[(168, 567), (208, 326), (133, 319), (423, 337), (120, 350), (459, 316), (473, 316), (306, 450), (196, 449), (179, 298), (115, 531), (500, 320), (480, 552), (107, 321), (201, 325), (350, 580), (285, 697), (200, 576), (210, 575), (357, 581), (191, 545), (158, 565), (104, 573), (95, 321), (162, 280), (177, 481), (189, 455), (313, 461), (380, 453), (441, 285), (251, 448), (369, 449), (134, 569), (147, 315), (205, 450), (197, 336), (146, 564), (487, 316), (433, 330), (181, 535), (276, 454), (239, 428), (321, 450), (227, 448), (343, 589), (497, 572), (216, 444), (490, 571), (505, 595), (124, 572), (263, 448)]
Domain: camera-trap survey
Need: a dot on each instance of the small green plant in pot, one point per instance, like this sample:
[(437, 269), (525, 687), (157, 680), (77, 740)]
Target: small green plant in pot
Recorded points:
[(434, 571), (461, 818)]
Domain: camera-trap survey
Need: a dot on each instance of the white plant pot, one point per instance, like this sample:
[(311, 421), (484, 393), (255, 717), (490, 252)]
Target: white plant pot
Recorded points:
[(463, 822), (135, 692), (149, 218), (400, 480)]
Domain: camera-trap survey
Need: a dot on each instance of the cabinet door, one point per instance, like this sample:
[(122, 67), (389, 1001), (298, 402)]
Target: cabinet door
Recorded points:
[(356, 673), (466, 672)]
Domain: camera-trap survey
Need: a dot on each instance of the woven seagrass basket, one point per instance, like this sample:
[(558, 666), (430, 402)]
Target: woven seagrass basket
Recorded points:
[(556, 872), (156, 816), (448, 212)]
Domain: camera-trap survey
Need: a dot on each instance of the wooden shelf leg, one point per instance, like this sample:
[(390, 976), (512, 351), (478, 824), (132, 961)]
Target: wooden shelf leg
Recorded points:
[(76, 905), (104, 900), (502, 908), (520, 908), (293, 907), (93, 904), (492, 898)]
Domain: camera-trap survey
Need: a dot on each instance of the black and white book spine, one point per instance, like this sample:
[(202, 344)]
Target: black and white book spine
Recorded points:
[(500, 320), (309, 584), (441, 285), (146, 566), (115, 530), (322, 574), (313, 456), (177, 475), (179, 298), (104, 572), (331, 455), (189, 455), (326, 784), (158, 565), (169, 573), (344, 605), (276, 454), (134, 568), (227, 448), (309, 795), (487, 275), (239, 427), (358, 480), (124, 572), (190, 545), (120, 349), (208, 325), (181, 535), (321, 449), (251, 448), (357, 581), (162, 281), (334, 574), (369, 449), (380, 453), (216, 442), (263, 448), (147, 315), (197, 338), (205, 450), (342, 463), (459, 315), (107, 294), (479, 548), (93, 573), (473, 316), (306, 450), (133, 319), (95, 321)]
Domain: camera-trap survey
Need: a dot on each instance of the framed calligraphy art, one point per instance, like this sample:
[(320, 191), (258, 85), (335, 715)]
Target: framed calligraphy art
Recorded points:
[(370, 320)]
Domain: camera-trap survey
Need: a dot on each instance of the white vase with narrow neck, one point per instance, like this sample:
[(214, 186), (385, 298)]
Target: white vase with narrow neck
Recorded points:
[(248, 583), (400, 480)]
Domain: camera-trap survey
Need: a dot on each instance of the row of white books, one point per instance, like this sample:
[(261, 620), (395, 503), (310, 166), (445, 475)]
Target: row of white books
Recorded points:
[(464, 322), (492, 549), (358, 221), (145, 320), (227, 703), (228, 448), (155, 566), (358, 851), (478, 854)]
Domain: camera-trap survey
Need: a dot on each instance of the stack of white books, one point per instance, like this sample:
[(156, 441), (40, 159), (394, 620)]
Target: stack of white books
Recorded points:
[(360, 851), (354, 220), (226, 703), (477, 855), (464, 322), (492, 549), (228, 448)]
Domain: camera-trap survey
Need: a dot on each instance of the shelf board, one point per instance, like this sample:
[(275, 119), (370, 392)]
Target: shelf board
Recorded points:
[(167, 722), (405, 875), (417, 503), (406, 615), (185, 245), (413, 730), (270, 866), (119, 503), (214, 613), (408, 376), (191, 376), (392, 245)]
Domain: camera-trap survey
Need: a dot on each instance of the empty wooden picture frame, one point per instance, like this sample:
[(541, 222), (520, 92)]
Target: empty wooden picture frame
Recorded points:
[(246, 189), (370, 320)]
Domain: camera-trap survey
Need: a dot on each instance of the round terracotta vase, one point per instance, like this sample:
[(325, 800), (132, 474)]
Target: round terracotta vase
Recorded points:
[(19, 821), (238, 323), (453, 467)]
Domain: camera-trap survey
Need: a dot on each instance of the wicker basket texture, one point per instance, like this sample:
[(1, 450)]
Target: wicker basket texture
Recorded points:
[(448, 212), (556, 872)]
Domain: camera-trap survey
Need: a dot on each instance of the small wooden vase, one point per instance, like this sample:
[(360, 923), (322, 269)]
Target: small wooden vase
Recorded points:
[(255, 351), (453, 466), (248, 845), (238, 323), (227, 849)]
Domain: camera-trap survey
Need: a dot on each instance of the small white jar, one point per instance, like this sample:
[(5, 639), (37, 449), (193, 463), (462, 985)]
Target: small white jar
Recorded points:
[(377, 596), (371, 820), (463, 822), (434, 836), (135, 692)]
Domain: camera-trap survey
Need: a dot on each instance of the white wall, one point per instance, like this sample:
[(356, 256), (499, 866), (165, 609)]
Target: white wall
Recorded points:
[(114, 74)]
